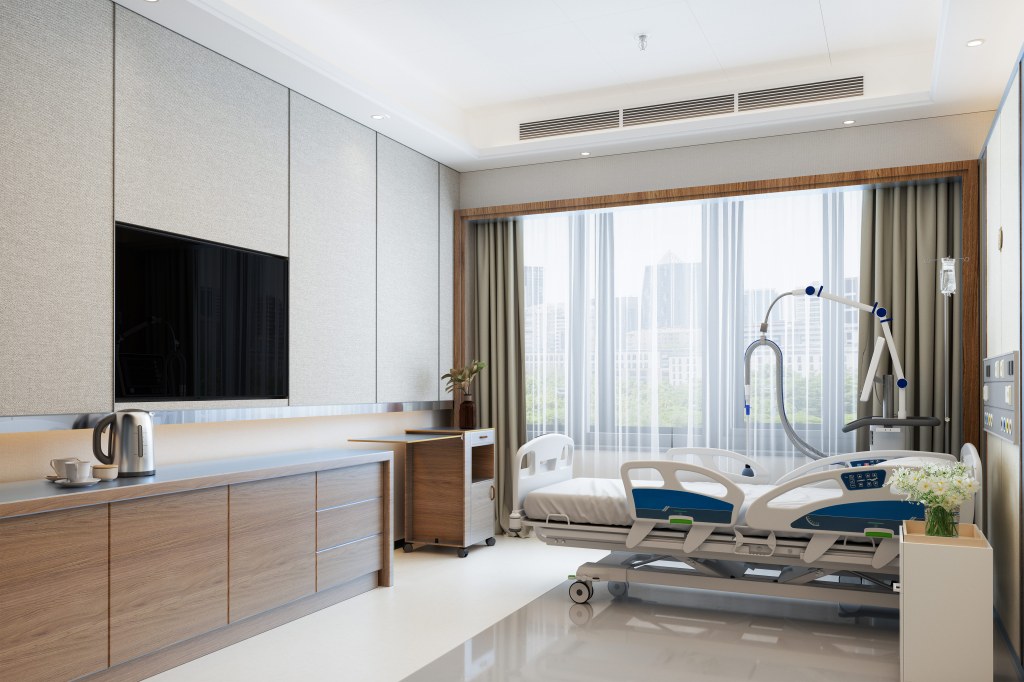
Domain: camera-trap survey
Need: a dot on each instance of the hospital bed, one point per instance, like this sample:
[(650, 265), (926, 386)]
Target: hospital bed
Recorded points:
[(828, 530)]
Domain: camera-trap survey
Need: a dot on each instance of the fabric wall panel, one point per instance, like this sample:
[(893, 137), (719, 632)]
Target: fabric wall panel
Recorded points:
[(332, 263), (201, 142), (449, 203), (56, 253), (407, 274)]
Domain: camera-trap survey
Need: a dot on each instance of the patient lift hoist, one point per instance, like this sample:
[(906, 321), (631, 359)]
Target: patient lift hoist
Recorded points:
[(888, 431)]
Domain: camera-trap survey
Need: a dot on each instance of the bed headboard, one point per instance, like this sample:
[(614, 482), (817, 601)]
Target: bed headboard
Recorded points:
[(543, 461)]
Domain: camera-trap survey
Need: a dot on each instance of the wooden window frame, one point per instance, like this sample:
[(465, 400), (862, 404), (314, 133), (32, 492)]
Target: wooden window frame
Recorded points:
[(966, 171)]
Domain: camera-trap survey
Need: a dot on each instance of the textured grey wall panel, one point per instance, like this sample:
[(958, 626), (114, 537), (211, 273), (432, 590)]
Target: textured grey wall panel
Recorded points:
[(449, 202), (332, 264), (202, 142), (56, 234), (407, 274), (933, 140)]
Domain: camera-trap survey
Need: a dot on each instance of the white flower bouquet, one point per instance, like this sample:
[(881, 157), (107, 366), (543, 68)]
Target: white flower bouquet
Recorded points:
[(941, 488)]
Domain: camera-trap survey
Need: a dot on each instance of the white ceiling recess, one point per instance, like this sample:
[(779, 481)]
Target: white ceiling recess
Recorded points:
[(458, 77)]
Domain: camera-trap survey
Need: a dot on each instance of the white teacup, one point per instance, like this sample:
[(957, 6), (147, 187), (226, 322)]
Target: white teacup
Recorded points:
[(59, 466), (78, 471)]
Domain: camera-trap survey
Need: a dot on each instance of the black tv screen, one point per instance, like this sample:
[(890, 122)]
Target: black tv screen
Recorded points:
[(196, 320)]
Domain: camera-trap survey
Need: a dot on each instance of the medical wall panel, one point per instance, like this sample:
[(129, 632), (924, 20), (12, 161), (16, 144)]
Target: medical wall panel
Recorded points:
[(201, 142), (332, 258), (448, 202), (272, 544), (407, 274), (56, 252), (53, 595)]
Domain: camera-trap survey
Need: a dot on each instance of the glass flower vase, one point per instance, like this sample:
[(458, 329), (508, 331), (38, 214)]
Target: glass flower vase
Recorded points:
[(940, 522)]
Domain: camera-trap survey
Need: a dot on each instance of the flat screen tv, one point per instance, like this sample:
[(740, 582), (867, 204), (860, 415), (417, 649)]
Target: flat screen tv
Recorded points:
[(195, 320)]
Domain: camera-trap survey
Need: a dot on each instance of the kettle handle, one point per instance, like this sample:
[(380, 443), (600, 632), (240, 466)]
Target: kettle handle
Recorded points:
[(97, 439)]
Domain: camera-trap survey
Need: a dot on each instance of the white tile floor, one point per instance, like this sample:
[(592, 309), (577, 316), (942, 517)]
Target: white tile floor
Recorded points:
[(503, 614)]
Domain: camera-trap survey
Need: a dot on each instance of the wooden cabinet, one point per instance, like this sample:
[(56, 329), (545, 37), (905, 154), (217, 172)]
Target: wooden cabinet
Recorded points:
[(353, 525), (168, 570), (53, 595), (272, 533), (450, 490)]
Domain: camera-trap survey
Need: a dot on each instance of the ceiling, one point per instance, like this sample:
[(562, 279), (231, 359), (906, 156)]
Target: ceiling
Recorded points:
[(457, 77)]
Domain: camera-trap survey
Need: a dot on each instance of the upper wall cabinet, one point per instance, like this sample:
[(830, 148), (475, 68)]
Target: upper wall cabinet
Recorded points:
[(333, 267), (449, 203), (201, 142), (407, 274), (56, 264)]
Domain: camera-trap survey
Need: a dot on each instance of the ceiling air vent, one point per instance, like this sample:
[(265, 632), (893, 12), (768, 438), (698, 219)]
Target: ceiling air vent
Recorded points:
[(569, 125), (673, 111), (801, 94)]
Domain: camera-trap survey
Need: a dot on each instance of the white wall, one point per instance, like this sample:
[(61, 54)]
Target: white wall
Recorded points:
[(933, 140)]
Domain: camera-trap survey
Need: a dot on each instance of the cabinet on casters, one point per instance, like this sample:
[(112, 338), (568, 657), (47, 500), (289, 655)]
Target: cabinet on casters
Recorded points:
[(449, 487)]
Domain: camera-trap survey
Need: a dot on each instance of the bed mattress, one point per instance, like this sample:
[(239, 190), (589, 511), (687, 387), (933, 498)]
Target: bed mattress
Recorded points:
[(602, 501)]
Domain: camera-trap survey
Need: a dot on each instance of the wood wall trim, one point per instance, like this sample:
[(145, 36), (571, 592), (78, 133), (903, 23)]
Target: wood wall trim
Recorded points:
[(966, 170)]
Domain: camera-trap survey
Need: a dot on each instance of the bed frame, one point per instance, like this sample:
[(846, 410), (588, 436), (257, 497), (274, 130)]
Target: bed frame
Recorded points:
[(680, 538)]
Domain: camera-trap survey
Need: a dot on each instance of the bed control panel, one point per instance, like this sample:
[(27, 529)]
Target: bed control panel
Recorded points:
[(1000, 396), (866, 462), (863, 480)]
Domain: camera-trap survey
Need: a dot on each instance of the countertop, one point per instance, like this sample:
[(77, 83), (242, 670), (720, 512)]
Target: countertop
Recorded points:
[(29, 497)]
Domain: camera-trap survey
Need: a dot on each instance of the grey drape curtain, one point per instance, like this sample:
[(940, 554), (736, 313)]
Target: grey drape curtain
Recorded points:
[(501, 394), (906, 229)]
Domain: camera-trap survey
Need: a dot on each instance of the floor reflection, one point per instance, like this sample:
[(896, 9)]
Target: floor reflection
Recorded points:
[(658, 633)]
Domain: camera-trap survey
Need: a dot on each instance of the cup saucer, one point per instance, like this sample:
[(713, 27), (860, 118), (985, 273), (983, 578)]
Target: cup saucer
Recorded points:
[(65, 483)]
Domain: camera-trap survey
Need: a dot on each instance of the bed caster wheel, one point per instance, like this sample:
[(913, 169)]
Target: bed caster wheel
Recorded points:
[(490, 542), (463, 553), (580, 614), (618, 589), (580, 592), (407, 547)]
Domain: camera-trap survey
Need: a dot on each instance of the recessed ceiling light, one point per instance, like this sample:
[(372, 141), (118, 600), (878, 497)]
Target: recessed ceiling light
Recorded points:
[(977, 42), (379, 117), (584, 153), (849, 122), (152, 0)]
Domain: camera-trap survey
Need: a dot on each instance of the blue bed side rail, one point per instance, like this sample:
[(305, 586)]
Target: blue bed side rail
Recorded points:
[(661, 504), (856, 517)]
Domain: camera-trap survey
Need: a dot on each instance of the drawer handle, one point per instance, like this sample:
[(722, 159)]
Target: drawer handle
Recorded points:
[(492, 492)]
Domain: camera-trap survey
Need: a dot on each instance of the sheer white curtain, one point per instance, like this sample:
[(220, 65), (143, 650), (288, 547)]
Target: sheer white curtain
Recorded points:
[(637, 319)]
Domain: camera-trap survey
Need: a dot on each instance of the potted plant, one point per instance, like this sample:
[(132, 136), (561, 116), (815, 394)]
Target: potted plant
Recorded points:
[(460, 378), (941, 488)]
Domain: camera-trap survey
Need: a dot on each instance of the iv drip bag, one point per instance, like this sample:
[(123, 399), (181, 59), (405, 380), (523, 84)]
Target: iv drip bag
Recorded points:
[(947, 277)]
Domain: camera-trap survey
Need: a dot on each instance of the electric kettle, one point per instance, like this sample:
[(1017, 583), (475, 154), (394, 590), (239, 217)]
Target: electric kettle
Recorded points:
[(130, 443)]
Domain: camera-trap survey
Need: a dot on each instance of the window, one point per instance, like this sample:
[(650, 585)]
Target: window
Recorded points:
[(637, 319)]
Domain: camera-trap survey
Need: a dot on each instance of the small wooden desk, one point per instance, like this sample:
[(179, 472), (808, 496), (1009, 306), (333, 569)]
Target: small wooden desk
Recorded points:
[(449, 486)]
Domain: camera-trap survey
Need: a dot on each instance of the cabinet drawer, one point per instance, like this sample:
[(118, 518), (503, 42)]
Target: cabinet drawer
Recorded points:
[(344, 524), (349, 484), (342, 564), (482, 511), (474, 438)]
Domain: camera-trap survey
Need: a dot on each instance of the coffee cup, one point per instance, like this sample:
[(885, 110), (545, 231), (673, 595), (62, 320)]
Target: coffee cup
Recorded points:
[(58, 466), (77, 471)]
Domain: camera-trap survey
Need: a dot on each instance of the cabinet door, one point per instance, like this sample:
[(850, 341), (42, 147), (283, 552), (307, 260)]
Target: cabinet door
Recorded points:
[(56, 169), (202, 142), (481, 511), (168, 570), (53, 595), (407, 280), (273, 542), (332, 259)]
